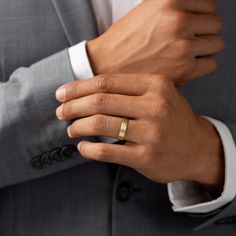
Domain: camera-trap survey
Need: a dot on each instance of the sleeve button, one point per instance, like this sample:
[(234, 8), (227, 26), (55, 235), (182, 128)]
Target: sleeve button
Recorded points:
[(37, 163), (46, 158), (56, 155), (67, 151)]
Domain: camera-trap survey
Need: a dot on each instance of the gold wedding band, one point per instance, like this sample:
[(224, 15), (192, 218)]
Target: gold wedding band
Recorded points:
[(123, 128)]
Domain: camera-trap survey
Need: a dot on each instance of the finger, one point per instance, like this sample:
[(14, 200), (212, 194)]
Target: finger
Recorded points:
[(204, 67), (111, 153), (107, 104), (102, 125), (118, 84), (196, 6), (205, 24), (207, 45)]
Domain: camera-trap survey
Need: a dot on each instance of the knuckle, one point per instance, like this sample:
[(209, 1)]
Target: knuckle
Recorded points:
[(159, 109), (155, 80), (99, 100), (143, 152), (101, 152), (103, 82), (181, 22), (162, 82), (183, 48), (164, 108), (154, 136), (165, 85), (167, 3), (146, 156), (99, 122), (154, 109)]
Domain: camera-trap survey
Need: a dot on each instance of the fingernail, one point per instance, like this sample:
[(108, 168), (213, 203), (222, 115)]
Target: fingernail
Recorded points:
[(69, 132), (60, 94), (59, 112), (79, 146)]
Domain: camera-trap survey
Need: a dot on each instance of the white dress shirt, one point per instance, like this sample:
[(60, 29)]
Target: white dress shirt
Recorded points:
[(185, 196)]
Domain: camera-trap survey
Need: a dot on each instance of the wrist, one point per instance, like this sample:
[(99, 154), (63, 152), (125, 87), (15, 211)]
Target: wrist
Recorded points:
[(211, 174), (99, 56)]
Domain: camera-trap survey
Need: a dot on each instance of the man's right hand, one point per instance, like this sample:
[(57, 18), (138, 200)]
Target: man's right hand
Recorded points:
[(175, 38)]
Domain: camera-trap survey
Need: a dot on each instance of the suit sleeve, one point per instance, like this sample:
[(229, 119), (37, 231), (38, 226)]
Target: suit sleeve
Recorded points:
[(33, 143)]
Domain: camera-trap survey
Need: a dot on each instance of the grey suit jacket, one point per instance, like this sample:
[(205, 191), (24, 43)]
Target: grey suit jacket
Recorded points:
[(46, 187)]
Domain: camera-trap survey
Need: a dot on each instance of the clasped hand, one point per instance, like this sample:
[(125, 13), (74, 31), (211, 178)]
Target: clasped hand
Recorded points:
[(164, 136), (166, 141)]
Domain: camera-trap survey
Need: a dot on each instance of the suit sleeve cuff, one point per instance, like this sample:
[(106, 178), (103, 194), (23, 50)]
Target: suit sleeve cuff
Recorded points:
[(190, 197), (80, 61)]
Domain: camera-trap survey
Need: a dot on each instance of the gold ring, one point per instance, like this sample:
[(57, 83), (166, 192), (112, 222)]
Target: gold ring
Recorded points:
[(123, 128)]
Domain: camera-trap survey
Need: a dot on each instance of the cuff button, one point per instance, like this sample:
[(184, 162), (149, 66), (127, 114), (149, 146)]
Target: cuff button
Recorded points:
[(37, 163), (68, 150), (46, 158), (56, 155)]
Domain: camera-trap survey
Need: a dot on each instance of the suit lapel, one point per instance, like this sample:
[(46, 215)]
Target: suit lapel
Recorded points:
[(77, 19)]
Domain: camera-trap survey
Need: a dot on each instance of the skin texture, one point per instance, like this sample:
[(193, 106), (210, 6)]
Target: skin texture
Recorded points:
[(157, 46), (177, 139), (175, 38)]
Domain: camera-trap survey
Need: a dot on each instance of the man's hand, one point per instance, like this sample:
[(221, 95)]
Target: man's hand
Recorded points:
[(166, 141), (170, 37)]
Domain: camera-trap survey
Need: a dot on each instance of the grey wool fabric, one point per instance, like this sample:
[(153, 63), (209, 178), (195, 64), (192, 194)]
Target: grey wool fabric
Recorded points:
[(69, 195)]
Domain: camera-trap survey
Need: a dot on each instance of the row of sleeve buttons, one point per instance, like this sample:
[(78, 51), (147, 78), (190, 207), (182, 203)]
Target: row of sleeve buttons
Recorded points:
[(56, 155)]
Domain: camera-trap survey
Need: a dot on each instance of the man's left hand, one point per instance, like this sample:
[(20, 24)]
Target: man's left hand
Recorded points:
[(165, 140)]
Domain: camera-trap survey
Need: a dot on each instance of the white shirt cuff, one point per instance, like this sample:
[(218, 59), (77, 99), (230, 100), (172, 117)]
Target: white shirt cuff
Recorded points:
[(82, 70), (189, 197), (80, 61), (185, 196)]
